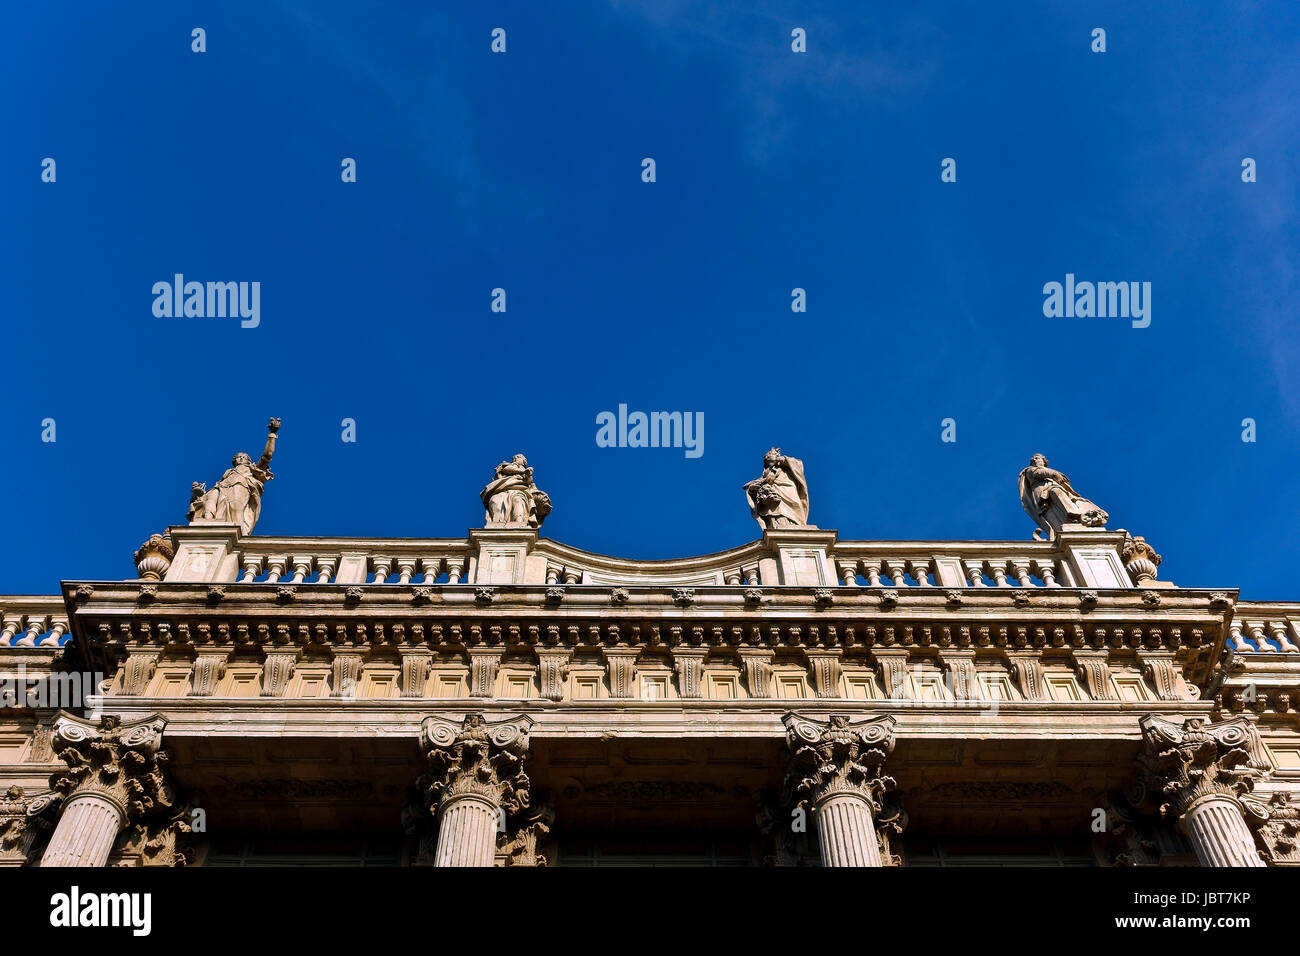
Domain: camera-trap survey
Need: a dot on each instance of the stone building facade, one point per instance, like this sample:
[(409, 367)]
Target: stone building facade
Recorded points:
[(506, 699)]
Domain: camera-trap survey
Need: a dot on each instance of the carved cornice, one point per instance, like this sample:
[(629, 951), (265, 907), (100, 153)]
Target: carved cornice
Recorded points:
[(121, 762), (1182, 764)]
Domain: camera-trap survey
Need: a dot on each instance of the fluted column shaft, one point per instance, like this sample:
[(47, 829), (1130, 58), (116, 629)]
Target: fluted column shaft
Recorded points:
[(467, 833), (87, 829), (846, 831), (1218, 834)]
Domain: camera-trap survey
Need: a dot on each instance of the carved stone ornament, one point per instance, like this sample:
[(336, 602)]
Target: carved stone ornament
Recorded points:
[(476, 757), (837, 756), (511, 499), (24, 823), (1140, 559), (154, 557), (1052, 502), (1184, 763), (1277, 828), (237, 497), (122, 762)]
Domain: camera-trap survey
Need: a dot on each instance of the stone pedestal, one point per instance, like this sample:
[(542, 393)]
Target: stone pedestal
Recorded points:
[(835, 774), (801, 556), (505, 556), (206, 551), (1195, 773), (114, 778), (475, 782)]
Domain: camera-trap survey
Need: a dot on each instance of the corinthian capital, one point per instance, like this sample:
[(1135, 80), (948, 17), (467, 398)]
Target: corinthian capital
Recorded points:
[(1182, 764), (122, 762), (838, 756), (476, 758)]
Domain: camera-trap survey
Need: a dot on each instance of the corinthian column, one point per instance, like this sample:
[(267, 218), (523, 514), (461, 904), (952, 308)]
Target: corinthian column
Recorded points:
[(114, 777), (475, 781), (835, 772), (1196, 772)]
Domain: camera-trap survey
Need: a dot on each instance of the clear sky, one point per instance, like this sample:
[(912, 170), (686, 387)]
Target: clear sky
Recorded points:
[(774, 170)]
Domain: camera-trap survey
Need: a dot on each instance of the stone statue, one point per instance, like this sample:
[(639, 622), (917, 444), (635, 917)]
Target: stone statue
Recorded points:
[(1055, 505), (237, 497), (779, 499), (512, 499)]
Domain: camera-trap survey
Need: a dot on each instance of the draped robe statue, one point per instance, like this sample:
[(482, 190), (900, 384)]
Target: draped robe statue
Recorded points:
[(512, 499), (1053, 503), (779, 498), (237, 497)]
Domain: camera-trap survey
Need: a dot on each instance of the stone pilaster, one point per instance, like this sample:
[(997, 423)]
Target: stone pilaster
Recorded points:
[(115, 777), (476, 782), (1196, 773), (835, 773)]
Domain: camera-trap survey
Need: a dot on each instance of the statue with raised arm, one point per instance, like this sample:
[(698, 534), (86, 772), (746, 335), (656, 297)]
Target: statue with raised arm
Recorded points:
[(1053, 503), (512, 499), (779, 497), (237, 497)]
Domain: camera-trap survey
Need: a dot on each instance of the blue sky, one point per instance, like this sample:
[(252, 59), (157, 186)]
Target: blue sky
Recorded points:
[(775, 170)]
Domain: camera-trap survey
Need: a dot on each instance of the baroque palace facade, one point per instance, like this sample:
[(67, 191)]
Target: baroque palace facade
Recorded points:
[(506, 699)]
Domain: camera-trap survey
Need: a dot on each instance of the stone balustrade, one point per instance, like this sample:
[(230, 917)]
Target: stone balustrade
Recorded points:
[(27, 621), (1265, 628)]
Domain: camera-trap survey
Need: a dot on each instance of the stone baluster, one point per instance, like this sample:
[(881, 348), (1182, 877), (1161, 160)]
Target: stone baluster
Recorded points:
[(301, 568), (383, 566), (252, 568), (1021, 567), (849, 573), (57, 630), (1278, 629), (921, 571), (474, 785), (1047, 571), (999, 573), (276, 565), (405, 570), (455, 570), (36, 626), (1258, 637), (894, 570), (873, 573), (325, 568), (1196, 772), (1234, 631), (12, 625), (115, 778), (835, 773), (975, 574)]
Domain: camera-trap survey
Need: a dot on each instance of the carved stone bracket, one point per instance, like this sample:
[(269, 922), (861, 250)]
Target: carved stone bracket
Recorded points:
[(621, 664), (757, 664), (1093, 667), (484, 662), (827, 671), (688, 663)]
